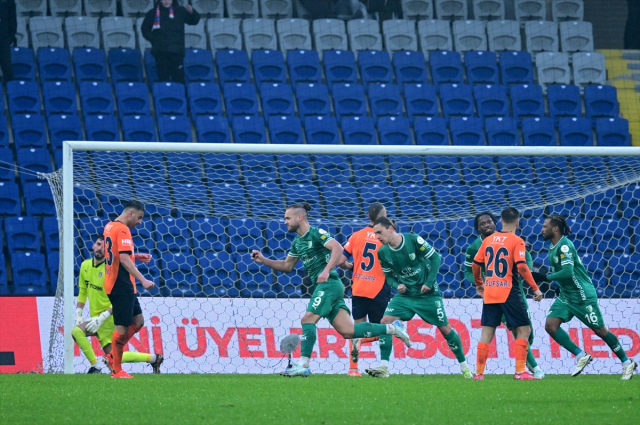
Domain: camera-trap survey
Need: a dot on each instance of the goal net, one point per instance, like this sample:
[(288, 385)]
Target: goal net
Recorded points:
[(214, 310)]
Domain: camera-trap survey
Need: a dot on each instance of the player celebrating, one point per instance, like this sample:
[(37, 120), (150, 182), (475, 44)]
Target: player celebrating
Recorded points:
[(320, 254), (91, 283), (411, 265), (120, 282), (503, 256), (370, 293), (577, 298), (485, 224)]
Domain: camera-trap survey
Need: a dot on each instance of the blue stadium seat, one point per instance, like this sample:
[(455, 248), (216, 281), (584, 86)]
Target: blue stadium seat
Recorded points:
[(527, 101), (221, 169), (90, 65), (551, 169), (538, 132), (313, 100), (23, 63), (378, 192), (576, 132), (385, 100), (631, 204), (4, 131), (611, 237), (22, 234), (51, 234), (462, 234), (516, 68), (139, 128), (172, 235), (169, 99), (446, 68), (414, 200), (64, 127), (358, 131), (341, 200), (524, 196), (59, 98), (599, 205), (304, 67), (178, 274), (348, 100), (375, 67), (198, 66), (268, 67), (294, 168), (410, 68), (277, 100), (588, 169), (174, 129), (36, 160), (467, 131), (4, 286), (38, 199), (10, 200), (240, 99), (184, 167), (435, 233), (304, 193), (54, 64), (248, 129), (442, 169), (192, 194), (29, 274), (571, 208), (448, 277), (582, 235), (96, 98), (246, 234), (406, 169), (489, 197), (457, 100), (278, 238), (218, 274), (29, 131), (332, 169), (482, 67), (102, 128), (266, 199), (564, 101), (204, 99), (601, 101), (208, 234), (133, 99), (451, 199), (321, 130), (491, 101), (394, 131), (150, 68), (431, 131), (420, 100), (228, 199), (23, 97), (624, 271), (6, 159), (111, 204), (256, 280), (502, 131), (532, 232), (481, 170), (212, 129), (233, 66), (285, 130), (369, 169), (86, 202), (259, 168), (152, 270), (613, 132), (156, 194), (125, 65), (339, 67)]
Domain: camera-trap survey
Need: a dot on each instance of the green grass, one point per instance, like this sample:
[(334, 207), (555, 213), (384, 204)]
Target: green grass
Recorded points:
[(319, 399)]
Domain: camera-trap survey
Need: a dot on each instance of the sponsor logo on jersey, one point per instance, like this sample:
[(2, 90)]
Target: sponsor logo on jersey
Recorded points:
[(522, 253), (499, 239), (126, 241), (564, 248), (95, 287), (389, 310), (412, 256), (323, 237), (561, 255), (423, 248)]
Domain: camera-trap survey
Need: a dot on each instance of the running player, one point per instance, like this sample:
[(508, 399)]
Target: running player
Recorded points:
[(503, 255), (320, 254), (485, 224), (411, 265), (577, 298), (120, 282), (370, 293), (91, 283)]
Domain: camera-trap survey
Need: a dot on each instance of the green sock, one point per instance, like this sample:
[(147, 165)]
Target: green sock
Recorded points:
[(614, 344), (386, 345), (308, 339), (131, 357), (453, 340), (562, 337), (84, 344), (369, 330), (531, 360)]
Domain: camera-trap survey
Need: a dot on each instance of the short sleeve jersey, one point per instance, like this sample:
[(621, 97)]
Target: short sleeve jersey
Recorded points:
[(117, 239), (368, 277), (91, 283), (500, 254), (577, 289), (408, 264), (310, 248)]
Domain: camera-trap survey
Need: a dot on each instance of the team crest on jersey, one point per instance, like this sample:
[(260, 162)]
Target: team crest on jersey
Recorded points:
[(589, 309), (564, 248), (100, 274), (438, 304), (320, 293), (412, 256), (322, 231), (420, 240)]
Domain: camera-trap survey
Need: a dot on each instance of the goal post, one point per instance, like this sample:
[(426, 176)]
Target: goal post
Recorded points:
[(453, 194)]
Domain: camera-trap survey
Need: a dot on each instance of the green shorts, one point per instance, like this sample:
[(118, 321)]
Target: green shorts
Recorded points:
[(105, 332), (430, 309), (589, 314), (328, 299)]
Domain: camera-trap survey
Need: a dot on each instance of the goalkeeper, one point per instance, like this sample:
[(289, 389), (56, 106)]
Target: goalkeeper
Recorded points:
[(91, 283)]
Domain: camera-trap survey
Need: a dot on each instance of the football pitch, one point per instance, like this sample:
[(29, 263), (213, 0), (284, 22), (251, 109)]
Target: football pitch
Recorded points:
[(319, 399)]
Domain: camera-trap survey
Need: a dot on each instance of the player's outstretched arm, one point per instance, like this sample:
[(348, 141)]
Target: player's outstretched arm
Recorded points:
[(524, 271), (129, 265), (336, 255), (145, 258), (284, 266)]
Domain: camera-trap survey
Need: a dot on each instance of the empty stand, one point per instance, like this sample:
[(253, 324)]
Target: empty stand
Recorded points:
[(224, 33), (364, 34), (293, 34)]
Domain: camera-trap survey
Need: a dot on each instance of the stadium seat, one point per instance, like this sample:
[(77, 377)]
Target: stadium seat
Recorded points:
[(285, 130), (527, 101), (531, 10), (369, 169), (212, 129), (467, 131), (434, 232), (457, 100), (348, 100), (46, 31), (576, 36), (38, 199), (358, 131), (278, 239), (462, 235), (64, 127), (169, 99), (446, 68), (103, 8), (332, 169), (613, 132), (624, 274), (293, 34), (385, 100), (527, 198), (394, 131), (489, 197), (59, 98), (117, 33), (36, 160), (482, 67), (102, 128), (434, 34), (178, 274), (150, 68), (277, 100), (198, 66), (10, 200), (4, 131), (259, 34), (417, 9), (516, 170), (133, 99), (241, 99), (589, 68), (541, 36), (553, 68), (364, 34), (330, 34), (268, 67), (340, 67), (135, 8), (29, 131), (256, 280), (567, 10), (156, 194), (481, 170), (23, 97), (341, 200), (22, 35), (125, 65), (96, 98), (29, 274), (576, 132), (443, 169), (304, 67), (420, 101), (248, 129), (54, 64), (50, 234), (610, 236), (86, 200), (82, 32), (321, 130), (488, 10), (502, 131), (410, 68), (195, 37), (228, 199), (603, 204), (23, 63), (224, 33), (6, 159), (218, 274), (415, 200), (375, 67), (588, 169), (550, 169), (233, 66), (208, 235), (174, 129), (564, 101), (294, 168), (192, 194), (304, 193), (221, 168), (504, 36), (451, 9), (204, 99), (399, 35), (242, 10), (631, 207), (516, 68), (431, 131), (378, 192), (406, 169), (172, 235), (470, 35), (245, 235), (491, 100), (266, 199), (313, 100), (139, 128), (22, 234), (601, 101)]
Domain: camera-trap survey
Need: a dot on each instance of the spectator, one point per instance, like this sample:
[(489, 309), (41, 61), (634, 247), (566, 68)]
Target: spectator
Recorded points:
[(163, 26), (8, 29)]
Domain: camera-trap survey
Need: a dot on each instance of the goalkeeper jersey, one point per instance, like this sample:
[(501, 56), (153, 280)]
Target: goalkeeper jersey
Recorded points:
[(91, 283)]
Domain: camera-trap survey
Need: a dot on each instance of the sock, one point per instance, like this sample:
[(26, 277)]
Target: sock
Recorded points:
[(131, 357), (562, 337), (384, 363), (131, 331), (386, 345), (368, 330), (304, 361), (308, 340), (483, 355), (352, 364), (365, 340), (521, 348), (453, 340), (118, 343), (84, 344), (614, 344), (531, 360), (537, 369)]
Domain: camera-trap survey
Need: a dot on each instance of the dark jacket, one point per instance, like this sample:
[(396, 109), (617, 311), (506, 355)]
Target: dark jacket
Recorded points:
[(8, 21), (170, 37)]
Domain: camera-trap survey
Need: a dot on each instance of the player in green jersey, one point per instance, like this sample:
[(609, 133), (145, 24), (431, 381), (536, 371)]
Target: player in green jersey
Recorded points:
[(320, 254), (411, 265), (485, 224), (91, 283), (577, 298)]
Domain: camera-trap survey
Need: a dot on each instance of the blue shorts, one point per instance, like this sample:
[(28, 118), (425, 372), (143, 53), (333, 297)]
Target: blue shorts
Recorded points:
[(514, 310), (371, 308)]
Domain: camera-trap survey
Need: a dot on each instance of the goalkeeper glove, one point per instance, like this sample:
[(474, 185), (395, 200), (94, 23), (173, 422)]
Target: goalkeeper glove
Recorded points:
[(539, 277), (97, 321), (79, 319)]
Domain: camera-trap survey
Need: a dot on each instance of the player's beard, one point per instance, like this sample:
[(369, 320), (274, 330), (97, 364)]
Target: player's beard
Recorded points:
[(546, 236), (292, 228), (98, 257)]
